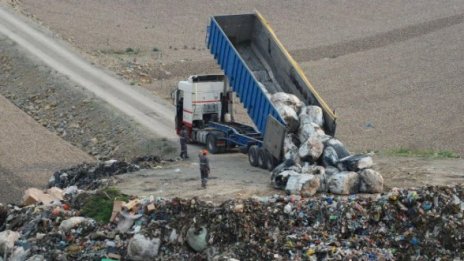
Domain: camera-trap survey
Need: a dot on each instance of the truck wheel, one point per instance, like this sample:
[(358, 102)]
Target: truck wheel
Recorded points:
[(262, 158), (270, 161), (211, 144), (253, 155)]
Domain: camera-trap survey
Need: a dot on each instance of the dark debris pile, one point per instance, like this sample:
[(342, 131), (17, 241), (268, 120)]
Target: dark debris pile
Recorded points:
[(91, 176), (422, 224)]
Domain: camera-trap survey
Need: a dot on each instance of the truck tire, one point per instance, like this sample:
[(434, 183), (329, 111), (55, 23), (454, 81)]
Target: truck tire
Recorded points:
[(262, 158), (253, 155), (211, 144), (270, 161)]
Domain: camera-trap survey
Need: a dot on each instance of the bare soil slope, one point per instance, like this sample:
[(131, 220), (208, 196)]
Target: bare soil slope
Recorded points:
[(391, 69), (29, 153)]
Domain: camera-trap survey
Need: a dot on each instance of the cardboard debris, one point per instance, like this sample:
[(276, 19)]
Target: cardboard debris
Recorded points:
[(34, 195), (150, 207), (55, 192), (117, 207)]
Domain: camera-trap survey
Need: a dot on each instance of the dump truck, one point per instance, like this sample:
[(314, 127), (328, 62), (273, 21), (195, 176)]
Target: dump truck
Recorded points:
[(255, 65)]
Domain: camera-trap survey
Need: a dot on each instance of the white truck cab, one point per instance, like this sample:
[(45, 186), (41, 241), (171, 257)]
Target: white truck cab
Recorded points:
[(199, 100)]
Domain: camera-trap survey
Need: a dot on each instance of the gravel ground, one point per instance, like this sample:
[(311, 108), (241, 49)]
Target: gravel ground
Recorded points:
[(29, 154), (70, 112), (393, 65)]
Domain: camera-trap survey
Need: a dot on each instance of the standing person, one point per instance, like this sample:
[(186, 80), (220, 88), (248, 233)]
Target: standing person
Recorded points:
[(204, 167), (183, 143)]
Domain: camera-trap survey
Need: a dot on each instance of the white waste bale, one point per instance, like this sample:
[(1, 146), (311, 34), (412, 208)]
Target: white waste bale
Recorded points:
[(329, 157), (196, 238), (304, 184), (311, 149), (311, 114), (308, 130), (370, 181), (356, 162), (344, 183), (289, 115), (287, 99), (305, 131), (328, 172), (338, 146), (312, 169), (143, 248), (7, 240), (290, 149), (279, 180)]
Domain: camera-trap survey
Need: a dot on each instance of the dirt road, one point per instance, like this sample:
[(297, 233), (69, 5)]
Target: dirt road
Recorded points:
[(150, 112)]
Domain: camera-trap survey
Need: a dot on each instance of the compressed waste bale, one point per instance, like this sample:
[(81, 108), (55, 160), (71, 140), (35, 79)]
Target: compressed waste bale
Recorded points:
[(290, 149), (7, 240), (329, 157), (289, 115), (338, 146), (324, 183), (287, 99), (370, 181), (312, 169), (311, 149), (86, 224), (143, 248), (279, 180), (311, 114), (344, 183), (304, 184), (356, 162), (196, 238)]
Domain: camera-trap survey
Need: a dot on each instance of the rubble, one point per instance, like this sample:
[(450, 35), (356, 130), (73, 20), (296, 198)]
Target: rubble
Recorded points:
[(322, 151), (91, 176), (417, 224)]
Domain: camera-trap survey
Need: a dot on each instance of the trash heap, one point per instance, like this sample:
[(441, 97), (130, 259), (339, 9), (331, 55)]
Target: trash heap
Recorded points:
[(317, 162), (90, 176), (422, 224)]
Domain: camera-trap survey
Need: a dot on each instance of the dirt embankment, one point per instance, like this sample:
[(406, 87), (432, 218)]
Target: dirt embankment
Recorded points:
[(72, 113)]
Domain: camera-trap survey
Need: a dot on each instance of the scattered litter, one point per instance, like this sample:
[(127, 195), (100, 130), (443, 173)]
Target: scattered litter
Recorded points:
[(419, 224)]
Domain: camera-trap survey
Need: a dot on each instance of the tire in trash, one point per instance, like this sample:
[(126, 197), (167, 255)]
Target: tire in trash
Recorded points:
[(262, 158), (253, 155), (270, 161), (211, 144)]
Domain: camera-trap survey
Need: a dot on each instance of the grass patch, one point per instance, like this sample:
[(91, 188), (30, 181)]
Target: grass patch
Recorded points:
[(100, 205), (403, 152)]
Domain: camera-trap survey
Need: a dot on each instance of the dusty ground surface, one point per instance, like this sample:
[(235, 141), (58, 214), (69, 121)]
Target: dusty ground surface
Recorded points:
[(182, 179), (29, 153), (390, 69)]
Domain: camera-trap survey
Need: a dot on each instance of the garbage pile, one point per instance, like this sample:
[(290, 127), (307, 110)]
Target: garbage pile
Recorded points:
[(422, 224), (90, 176), (316, 162)]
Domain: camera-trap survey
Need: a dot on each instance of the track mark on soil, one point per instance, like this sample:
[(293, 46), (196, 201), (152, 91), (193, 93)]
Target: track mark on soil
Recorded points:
[(376, 40)]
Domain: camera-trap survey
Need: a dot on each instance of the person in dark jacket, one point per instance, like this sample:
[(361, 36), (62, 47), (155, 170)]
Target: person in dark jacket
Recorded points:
[(204, 167), (183, 143)]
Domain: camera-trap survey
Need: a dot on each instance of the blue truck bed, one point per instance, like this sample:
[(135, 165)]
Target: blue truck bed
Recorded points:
[(257, 65)]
